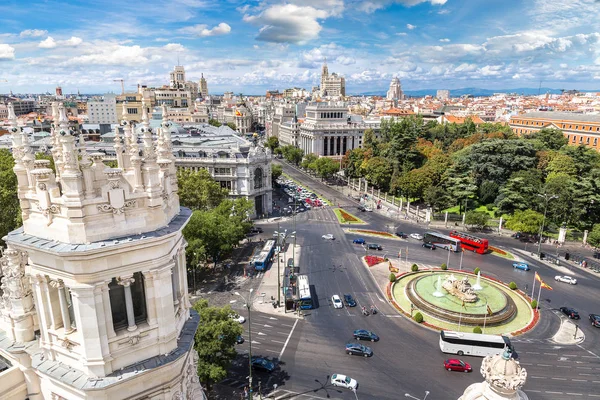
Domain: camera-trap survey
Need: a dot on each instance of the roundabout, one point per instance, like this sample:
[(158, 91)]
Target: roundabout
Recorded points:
[(461, 301)]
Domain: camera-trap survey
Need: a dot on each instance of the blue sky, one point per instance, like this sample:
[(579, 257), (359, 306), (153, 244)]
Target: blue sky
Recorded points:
[(252, 46)]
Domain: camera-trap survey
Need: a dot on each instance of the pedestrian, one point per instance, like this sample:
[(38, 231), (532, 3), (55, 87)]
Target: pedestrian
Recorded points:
[(246, 392)]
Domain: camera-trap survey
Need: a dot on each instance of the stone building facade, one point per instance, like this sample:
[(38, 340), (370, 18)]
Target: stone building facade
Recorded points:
[(94, 287)]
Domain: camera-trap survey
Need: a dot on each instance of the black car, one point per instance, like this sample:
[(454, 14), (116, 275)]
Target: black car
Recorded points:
[(429, 246), (569, 312), (363, 334), (374, 246), (595, 318), (349, 300), (240, 339), (361, 208), (263, 364), (358, 349), (256, 229), (402, 235)]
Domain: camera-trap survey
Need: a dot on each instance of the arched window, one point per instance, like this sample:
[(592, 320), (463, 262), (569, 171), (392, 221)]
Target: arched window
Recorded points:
[(258, 178)]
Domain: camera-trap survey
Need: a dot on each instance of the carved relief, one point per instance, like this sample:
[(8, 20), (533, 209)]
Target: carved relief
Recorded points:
[(52, 209), (67, 344), (14, 284), (116, 210)]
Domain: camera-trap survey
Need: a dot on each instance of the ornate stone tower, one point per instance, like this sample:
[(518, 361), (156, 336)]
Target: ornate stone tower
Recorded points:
[(94, 288), (504, 378)]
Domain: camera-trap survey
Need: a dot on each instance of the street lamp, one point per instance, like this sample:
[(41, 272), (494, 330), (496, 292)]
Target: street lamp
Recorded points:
[(546, 198), (248, 304)]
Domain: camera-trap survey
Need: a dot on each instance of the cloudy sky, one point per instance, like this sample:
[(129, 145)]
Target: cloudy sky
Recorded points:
[(251, 46)]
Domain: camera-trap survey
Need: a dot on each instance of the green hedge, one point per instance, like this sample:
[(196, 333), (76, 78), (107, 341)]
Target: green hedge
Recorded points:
[(477, 330), (512, 285), (414, 268), (392, 277), (418, 317), (476, 270), (444, 267), (534, 304)]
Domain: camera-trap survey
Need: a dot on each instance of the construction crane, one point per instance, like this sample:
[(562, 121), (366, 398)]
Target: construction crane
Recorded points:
[(122, 84)]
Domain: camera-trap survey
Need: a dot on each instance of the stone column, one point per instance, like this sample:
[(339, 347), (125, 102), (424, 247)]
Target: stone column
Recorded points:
[(110, 329), (446, 219), (585, 236), (562, 234), (64, 307), (500, 224), (39, 286), (126, 283), (163, 301)]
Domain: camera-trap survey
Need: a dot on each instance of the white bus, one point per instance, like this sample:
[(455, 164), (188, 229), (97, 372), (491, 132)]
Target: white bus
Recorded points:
[(474, 344), (304, 296), (442, 241)]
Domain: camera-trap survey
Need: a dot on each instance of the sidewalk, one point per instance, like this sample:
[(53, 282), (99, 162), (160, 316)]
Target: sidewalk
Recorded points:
[(568, 333)]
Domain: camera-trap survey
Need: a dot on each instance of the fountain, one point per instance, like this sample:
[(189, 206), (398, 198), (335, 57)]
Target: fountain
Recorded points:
[(477, 285), (438, 288)]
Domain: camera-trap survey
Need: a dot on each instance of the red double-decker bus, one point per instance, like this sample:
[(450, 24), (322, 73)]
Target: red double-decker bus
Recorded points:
[(470, 242)]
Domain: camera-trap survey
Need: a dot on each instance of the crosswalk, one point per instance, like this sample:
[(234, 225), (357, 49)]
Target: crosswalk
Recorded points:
[(281, 394)]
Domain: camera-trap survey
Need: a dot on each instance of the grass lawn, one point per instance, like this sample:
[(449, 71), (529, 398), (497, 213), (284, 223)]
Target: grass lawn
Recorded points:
[(452, 210), (484, 209), (344, 217)]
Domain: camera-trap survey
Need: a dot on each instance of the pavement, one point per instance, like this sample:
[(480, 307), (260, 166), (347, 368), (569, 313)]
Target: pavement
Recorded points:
[(568, 333)]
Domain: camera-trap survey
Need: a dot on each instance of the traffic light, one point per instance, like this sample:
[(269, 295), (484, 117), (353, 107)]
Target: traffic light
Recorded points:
[(567, 256)]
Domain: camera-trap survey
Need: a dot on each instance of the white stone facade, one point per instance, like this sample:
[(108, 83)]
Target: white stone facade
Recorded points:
[(332, 85), (103, 111), (395, 90), (99, 270)]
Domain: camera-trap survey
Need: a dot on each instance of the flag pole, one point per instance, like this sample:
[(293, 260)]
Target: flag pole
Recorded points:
[(459, 319), (485, 316), (539, 294), (533, 287)]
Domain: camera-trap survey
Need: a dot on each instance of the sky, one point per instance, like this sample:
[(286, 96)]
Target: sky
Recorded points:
[(253, 46)]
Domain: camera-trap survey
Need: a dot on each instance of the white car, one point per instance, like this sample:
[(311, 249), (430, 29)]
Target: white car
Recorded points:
[(328, 236), (416, 236), (368, 209), (238, 318), (566, 279), (344, 381), (337, 302)]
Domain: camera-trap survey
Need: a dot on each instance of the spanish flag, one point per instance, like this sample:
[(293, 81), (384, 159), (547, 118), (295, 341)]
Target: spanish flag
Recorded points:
[(546, 286), (537, 278), (489, 310), (237, 113)]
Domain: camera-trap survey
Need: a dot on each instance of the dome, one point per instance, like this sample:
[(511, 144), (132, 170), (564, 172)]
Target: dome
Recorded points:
[(503, 365)]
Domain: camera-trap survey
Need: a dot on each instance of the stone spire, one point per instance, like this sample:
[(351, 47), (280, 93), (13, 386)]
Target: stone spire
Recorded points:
[(56, 146), (18, 151), (149, 153), (71, 183)]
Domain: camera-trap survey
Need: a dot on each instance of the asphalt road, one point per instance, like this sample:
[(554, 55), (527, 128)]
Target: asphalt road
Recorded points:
[(407, 359)]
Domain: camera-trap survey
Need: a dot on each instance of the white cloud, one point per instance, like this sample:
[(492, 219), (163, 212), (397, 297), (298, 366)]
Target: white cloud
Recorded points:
[(410, 26), (445, 40), (401, 34), (288, 23), (7, 52), (48, 43), (316, 56), (174, 47), (73, 41), (33, 33), (374, 5), (343, 60), (202, 30), (113, 54)]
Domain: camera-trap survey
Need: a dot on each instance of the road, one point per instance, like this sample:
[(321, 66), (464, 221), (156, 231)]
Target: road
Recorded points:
[(407, 358)]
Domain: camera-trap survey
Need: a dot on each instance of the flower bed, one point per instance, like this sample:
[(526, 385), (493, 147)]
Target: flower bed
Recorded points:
[(348, 217), (534, 321), (497, 250), (369, 232), (373, 260)]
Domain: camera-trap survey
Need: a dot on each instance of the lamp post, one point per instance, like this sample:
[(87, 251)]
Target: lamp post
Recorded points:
[(247, 304), (546, 198)]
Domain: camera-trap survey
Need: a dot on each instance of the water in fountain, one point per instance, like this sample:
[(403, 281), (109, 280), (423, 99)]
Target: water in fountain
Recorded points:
[(477, 285), (438, 288)]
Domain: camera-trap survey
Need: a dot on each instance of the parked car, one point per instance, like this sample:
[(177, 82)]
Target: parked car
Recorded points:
[(595, 318), (429, 246), (368, 209), (374, 246), (402, 235), (569, 312), (344, 381), (566, 279), (328, 236), (363, 334), (238, 318), (361, 208), (337, 302), (240, 339), (359, 241), (263, 364), (349, 300), (521, 265), (454, 364), (416, 236), (358, 349), (256, 229)]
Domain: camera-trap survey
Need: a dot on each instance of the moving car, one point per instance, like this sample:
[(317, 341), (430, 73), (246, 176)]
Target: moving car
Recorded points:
[(349, 300), (416, 236), (256, 229), (368, 209), (569, 312), (328, 236), (374, 246), (240, 339), (337, 302), (238, 318), (359, 241), (566, 279), (595, 318), (361, 208), (429, 246), (454, 364), (358, 349), (363, 334), (263, 364), (521, 265), (402, 235), (344, 381)]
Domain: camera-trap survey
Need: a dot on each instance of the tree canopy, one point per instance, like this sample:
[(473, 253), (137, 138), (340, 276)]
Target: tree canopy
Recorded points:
[(198, 190), (10, 217)]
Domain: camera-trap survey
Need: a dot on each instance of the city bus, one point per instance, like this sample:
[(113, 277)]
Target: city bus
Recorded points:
[(474, 344), (470, 242), (304, 295), (443, 241), (261, 260)]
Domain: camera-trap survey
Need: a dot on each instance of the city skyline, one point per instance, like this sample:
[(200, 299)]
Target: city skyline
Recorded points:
[(253, 46)]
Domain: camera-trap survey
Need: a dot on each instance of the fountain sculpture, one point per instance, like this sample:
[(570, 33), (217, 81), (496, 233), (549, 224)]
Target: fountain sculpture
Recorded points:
[(477, 285), (438, 288), (460, 288)]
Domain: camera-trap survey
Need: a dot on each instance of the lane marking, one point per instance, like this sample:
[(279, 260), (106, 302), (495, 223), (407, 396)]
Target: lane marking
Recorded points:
[(559, 379), (277, 341), (288, 340)]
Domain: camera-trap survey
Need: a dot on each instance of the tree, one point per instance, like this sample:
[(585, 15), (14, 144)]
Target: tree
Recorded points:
[(594, 236), (520, 191), (272, 143), (308, 162), (477, 219), (292, 153), (460, 189), (560, 209), (488, 191), (413, 183), (436, 196), (276, 172), (215, 341), (198, 190), (326, 167), (585, 158), (232, 126), (561, 164), (551, 138), (378, 172), (10, 217), (214, 122), (527, 221)]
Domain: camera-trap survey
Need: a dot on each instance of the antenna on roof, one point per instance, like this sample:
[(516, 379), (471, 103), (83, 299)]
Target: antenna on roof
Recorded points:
[(540, 88)]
